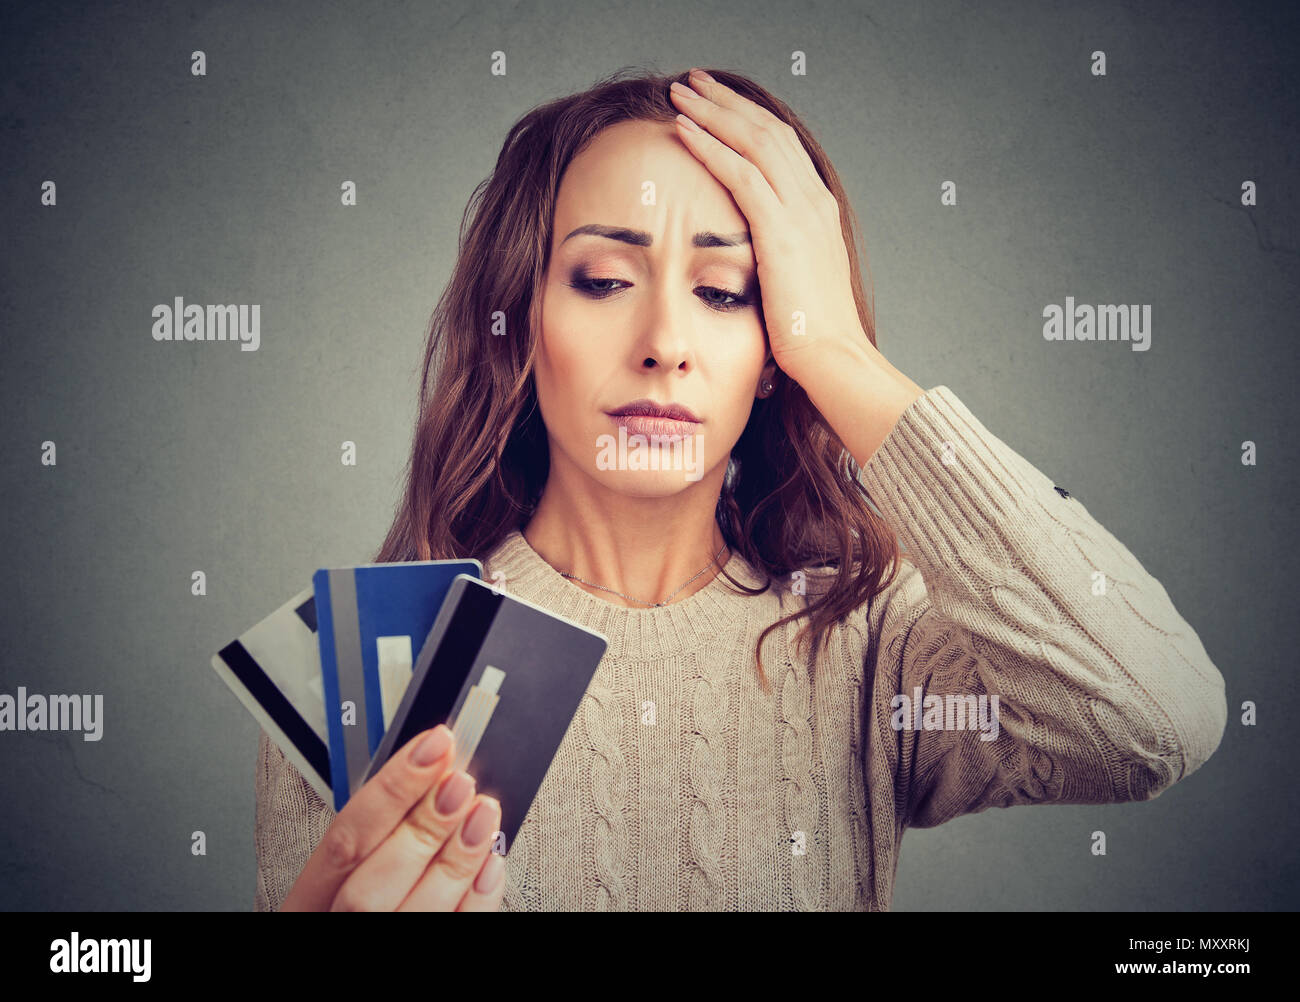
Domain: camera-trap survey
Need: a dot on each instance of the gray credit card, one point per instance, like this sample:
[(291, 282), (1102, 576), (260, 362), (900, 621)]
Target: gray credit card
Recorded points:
[(507, 677)]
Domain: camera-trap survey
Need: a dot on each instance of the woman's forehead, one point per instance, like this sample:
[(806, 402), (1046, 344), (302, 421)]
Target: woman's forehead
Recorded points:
[(640, 175)]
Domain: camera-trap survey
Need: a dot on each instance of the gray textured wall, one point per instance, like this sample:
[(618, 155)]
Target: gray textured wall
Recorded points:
[(224, 188)]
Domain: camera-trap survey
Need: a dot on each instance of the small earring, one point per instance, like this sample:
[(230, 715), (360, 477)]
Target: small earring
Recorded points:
[(766, 387)]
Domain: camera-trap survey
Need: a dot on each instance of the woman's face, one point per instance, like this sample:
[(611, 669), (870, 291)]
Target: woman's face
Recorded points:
[(649, 316)]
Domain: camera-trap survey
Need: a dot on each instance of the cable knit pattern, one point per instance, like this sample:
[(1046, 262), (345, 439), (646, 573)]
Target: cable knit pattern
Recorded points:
[(798, 793), (708, 821), (608, 784), (681, 785), (522, 892)]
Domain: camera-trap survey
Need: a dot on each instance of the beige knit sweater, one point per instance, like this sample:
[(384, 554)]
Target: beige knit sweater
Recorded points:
[(735, 800)]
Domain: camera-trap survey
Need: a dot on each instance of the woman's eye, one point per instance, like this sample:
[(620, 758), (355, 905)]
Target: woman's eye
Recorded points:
[(738, 299), (593, 286), (599, 288)]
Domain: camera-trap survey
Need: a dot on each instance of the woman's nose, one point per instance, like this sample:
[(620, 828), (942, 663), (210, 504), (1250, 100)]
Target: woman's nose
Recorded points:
[(667, 341)]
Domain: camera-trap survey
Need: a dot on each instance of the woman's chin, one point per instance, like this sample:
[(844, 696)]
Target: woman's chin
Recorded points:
[(646, 483)]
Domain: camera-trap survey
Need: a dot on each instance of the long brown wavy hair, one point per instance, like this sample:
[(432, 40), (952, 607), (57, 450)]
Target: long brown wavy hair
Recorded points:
[(480, 458)]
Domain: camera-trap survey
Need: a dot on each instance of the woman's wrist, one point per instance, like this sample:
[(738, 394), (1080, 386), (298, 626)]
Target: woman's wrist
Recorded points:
[(861, 395)]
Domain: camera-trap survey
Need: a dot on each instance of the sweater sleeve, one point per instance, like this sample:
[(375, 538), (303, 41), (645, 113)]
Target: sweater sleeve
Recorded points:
[(291, 820), (1009, 588)]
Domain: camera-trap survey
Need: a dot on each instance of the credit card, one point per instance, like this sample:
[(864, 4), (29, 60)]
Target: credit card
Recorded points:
[(507, 677), (274, 670), (372, 620)]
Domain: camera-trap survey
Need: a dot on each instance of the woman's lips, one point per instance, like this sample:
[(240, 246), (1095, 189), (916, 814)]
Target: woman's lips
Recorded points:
[(644, 424)]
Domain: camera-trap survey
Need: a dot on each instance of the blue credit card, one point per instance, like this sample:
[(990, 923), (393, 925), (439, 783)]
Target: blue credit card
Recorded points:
[(371, 622)]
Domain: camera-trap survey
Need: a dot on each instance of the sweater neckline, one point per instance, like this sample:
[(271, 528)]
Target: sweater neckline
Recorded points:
[(695, 621)]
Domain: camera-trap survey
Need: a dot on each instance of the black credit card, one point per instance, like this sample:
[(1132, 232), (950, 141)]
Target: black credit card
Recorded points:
[(507, 677)]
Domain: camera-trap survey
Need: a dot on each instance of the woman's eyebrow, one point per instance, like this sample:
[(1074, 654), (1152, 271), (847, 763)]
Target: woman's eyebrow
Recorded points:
[(640, 238)]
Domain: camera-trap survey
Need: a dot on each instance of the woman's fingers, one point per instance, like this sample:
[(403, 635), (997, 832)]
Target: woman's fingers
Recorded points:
[(720, 93), (369, 817), (753, 132), (751, 190), (453, 871), (386, 876), (489, 887)]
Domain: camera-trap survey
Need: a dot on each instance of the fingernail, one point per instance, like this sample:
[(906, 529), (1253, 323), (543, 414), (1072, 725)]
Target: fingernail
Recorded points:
[(454, 792), (688, 124), (702, 75), (482, 822), (490, 875), (682, 89), (432, 747)]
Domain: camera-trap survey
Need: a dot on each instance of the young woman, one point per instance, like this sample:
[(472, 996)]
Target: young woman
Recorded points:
[(706, 266)]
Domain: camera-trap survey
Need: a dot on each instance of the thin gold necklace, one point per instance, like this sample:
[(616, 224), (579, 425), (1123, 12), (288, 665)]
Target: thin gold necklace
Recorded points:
[(653, 605)]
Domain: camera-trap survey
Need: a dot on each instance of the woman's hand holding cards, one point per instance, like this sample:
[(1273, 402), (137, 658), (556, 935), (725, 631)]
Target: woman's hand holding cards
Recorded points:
[(412, 838)]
